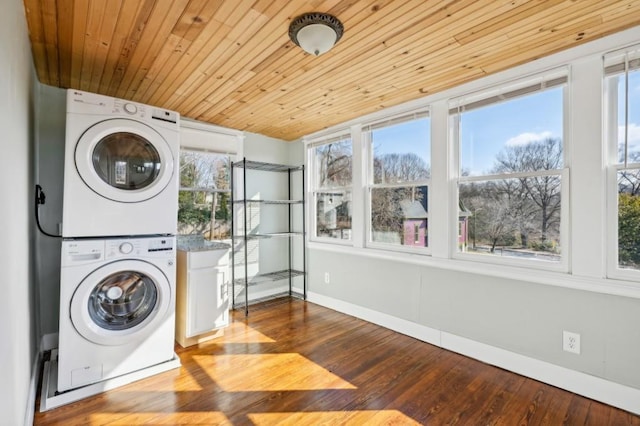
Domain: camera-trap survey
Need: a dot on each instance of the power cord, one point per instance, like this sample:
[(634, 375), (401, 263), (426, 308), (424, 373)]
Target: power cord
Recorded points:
[(40, 199)]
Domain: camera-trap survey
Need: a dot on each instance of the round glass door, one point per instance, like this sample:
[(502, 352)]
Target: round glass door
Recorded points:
[(124, 160), (121, 302)]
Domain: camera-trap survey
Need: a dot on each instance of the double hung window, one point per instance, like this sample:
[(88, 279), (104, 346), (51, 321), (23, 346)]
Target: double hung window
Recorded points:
[(331, 161), (511, 171), (204, 197), (622, 104), (399, 169)]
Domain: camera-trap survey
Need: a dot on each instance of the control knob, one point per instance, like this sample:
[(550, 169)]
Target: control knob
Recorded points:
[(126, 248), (130, 108)]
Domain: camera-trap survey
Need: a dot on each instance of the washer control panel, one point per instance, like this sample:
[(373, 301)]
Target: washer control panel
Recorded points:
[(140, 247), (82, 251)]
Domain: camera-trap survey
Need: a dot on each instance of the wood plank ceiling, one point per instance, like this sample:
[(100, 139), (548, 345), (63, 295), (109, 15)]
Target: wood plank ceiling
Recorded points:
[(231, 63)]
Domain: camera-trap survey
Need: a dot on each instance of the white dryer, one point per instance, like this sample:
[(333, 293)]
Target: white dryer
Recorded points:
[(117, 308), (121, 168)]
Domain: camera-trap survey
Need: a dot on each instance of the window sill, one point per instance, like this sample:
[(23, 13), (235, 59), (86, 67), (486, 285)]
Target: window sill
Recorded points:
[(614, 287)]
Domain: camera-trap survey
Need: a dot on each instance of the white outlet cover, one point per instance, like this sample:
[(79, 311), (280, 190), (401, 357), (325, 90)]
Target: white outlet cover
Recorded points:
[(571, 342)]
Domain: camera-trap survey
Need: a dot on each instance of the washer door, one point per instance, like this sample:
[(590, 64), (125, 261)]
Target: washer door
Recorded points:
[(124, 160), (121, 302)]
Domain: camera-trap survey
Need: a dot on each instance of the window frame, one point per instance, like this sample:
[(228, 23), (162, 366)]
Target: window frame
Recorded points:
[(313, 189), (208, 190), (511, 90), (370, 185), (198, 136), (616, 63)]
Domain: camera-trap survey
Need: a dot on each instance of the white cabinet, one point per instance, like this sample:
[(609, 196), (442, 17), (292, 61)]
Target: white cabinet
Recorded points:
[(202, 302)]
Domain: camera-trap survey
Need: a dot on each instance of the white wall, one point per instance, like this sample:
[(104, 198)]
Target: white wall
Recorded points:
[(519, 310), (49, 152), (266, 149), (18, 329)]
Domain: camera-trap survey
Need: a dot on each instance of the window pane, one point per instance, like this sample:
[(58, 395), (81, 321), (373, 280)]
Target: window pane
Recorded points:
[(333, 215), (204, 170), (204, 213), (629, 219), (401, 152), (399, 215), (519, 135), (511, 218), (633, 136), (333, 163)]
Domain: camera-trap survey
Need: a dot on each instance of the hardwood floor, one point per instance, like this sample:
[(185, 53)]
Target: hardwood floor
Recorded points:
[(296, 363)]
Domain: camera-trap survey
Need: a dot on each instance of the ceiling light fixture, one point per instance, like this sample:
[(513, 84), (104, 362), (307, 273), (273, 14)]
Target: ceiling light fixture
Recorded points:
[(315, 32)]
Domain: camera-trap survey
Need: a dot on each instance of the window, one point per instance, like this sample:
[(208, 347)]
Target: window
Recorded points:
[(331, 167), (399, 171), (204, 197), (511, 177), (622, 70)]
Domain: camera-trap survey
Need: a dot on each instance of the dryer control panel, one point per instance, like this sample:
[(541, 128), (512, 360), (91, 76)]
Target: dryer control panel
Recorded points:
[(80, 102)]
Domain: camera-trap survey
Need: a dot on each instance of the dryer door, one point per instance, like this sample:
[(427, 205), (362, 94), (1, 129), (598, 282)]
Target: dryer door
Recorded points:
[(121, 302), (124, 160)]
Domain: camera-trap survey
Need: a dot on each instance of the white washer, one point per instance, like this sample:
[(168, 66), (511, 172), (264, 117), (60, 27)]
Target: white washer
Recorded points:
[(121, 168), (117, 308)]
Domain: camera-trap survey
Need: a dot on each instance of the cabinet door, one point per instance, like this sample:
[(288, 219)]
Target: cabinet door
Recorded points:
[(208, 308)]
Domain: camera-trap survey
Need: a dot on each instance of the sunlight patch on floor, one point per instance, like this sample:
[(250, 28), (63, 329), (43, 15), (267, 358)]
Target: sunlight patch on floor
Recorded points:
[(268, 372), (238, 332), (190, 418), (374, 417)]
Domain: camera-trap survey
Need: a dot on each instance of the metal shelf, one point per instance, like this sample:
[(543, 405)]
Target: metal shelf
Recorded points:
[(286, 294), (284, 202), (267, 235), (267, 167), (284, 274), (240, 252)]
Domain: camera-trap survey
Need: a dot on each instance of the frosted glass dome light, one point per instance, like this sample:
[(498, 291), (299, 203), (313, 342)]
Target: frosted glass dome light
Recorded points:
[(315, 33)]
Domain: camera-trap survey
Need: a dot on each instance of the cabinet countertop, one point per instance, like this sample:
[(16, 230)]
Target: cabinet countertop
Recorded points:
[(200, 244)]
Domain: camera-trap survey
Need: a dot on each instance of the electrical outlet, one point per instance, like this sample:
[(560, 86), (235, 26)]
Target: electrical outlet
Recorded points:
[(571, 342), (327, 278)]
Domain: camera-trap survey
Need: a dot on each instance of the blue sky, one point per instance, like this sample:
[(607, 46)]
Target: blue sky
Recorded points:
[(634, 111), (413, 136), (486, 131)]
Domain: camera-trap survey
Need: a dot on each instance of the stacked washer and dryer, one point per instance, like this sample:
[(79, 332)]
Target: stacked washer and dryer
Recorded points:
[(117, 295)]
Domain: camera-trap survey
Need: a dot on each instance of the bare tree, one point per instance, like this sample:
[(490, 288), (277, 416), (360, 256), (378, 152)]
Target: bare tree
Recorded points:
[(491, 213), (629, 180), (399, 167), (543, 191), (335, 164), (386, 213)]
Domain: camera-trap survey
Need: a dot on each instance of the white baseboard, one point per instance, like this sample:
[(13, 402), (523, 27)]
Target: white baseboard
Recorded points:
[(33, 389), (420, 332), (615, 394), (593, 387)]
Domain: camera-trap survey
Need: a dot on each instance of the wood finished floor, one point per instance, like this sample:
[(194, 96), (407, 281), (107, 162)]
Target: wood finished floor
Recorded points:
[(296, 363)]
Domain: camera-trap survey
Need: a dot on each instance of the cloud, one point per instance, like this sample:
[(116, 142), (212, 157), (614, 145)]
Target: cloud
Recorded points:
[(527, 137), (634, 136)]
